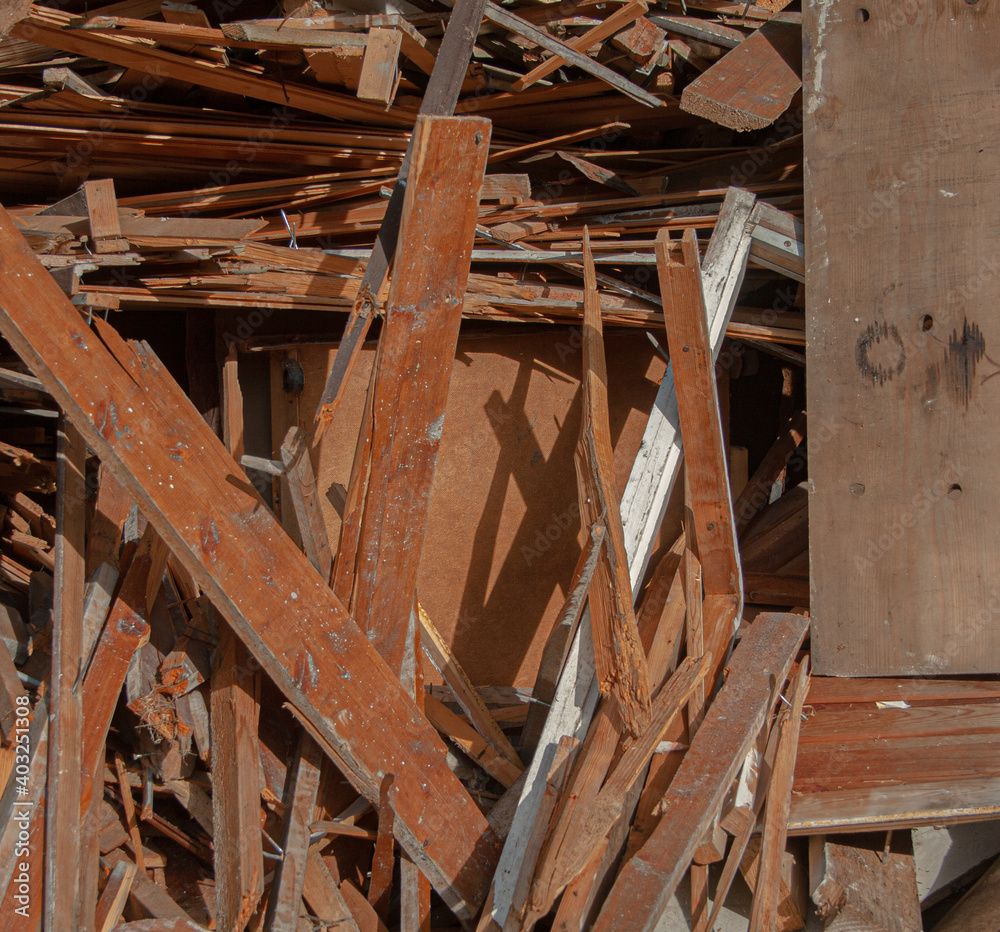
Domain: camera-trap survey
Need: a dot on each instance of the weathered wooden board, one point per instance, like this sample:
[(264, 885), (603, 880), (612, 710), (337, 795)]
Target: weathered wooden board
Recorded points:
[(902, 289), (141, 425), (860, 767)]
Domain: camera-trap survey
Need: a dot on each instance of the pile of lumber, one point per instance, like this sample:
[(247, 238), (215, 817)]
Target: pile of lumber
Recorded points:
[(223, 708)]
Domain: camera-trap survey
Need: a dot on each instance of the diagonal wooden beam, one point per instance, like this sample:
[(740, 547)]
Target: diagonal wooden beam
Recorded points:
[(132, 413), (757, 671)]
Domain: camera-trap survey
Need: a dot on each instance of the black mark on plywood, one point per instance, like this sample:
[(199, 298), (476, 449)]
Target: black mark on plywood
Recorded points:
[(965, 351), (880, 353)]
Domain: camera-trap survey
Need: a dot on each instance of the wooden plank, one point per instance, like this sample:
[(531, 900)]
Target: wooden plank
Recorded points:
[(131, 823), (520, 27), (305, 500), (417, 348), (618, 20), (125, 630), (902, 562), (618, 654), (764, 913), (439, 99), (650, 484), (205, 522), (232, 404), (707, 474), (644, 503), (114, 895), (751, 86), (383, 860), (324, 896), (757, 669), (62, 811), (466, 694), (283, 901), (380, 68), (235, 708), (856, 885), (102, 209)]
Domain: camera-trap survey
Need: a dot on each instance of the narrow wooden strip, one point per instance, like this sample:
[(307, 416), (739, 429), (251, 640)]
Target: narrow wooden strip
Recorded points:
[(515, 24), (116, 891), (618, 20), (620, 661), (235, 707), (380, 884), (131, 823), (63, 822), (758, 667), (465, 693), (764, 913), (305, 500), (283, 902)]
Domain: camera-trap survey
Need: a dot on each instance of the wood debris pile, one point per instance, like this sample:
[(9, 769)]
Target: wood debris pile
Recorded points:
[(229, 697)]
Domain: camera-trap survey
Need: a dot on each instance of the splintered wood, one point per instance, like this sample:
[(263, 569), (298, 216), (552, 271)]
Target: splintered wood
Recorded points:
[(392, 576)]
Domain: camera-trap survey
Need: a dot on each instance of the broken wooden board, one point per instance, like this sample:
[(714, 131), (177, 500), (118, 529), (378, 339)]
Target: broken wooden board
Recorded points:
[(900, 379), (857, 882), (204, 509), (753, 85), (758, 669)]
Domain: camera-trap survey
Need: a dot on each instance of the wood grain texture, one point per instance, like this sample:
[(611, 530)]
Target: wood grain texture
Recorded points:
[(618, 654), (62, 815), (423, 313), (900, 381), (235, 706), (751, 86), (757, 670), (307, 644)]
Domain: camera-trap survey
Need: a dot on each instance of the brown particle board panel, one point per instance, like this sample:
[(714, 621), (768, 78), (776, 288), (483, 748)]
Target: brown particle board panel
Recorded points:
[(902, 132)]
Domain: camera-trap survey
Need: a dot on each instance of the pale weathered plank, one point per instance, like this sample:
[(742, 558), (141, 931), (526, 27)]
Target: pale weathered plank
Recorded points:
[(902, 397)]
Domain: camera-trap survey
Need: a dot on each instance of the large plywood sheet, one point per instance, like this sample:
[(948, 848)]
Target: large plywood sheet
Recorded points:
[(903, 289)]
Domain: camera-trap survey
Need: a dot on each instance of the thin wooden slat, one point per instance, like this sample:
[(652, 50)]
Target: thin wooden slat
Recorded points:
[(205, 530), (102, 209), (618, 654), (63, 822), (764, 913), (515, 24), (758, 667), (467, 696), (283, 902), (305, 500), (112, 901), (618, 20), (380, 883)]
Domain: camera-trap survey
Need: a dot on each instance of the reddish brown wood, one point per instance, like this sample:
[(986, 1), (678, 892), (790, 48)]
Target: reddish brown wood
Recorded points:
[(335, 678)]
